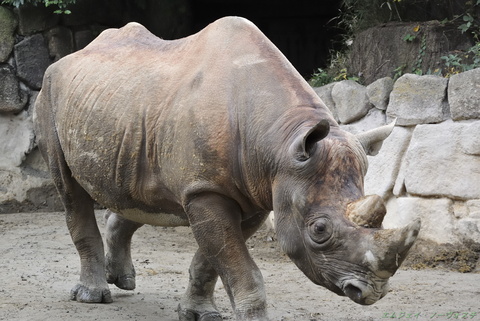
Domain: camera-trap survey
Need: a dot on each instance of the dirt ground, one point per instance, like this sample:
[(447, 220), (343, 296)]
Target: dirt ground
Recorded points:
[(39, 265)]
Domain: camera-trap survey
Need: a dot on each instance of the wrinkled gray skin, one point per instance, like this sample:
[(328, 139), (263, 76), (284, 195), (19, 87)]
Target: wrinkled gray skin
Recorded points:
[(213, 131)]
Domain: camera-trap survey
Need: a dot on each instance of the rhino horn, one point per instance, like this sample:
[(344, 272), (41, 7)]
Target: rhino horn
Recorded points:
[(390, 248), (367, 211), (372, 140)]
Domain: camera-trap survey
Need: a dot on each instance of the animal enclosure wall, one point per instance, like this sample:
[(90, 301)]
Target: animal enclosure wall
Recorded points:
[(429, 167)]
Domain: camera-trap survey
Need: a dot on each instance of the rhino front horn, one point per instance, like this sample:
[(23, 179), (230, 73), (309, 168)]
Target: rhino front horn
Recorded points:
[(391, 247), (367, 211)]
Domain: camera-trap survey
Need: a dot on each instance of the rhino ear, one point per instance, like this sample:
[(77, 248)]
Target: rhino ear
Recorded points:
[(372, 140), (306, 145)]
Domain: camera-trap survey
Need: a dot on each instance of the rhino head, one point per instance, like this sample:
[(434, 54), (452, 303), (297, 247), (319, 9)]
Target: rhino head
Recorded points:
[(326, 225)]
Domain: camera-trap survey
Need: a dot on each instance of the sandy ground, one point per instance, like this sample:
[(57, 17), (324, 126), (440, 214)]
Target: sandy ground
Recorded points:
[(39, 265)]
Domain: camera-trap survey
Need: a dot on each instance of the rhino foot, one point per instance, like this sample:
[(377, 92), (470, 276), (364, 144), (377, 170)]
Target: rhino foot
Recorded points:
[(191, 315), (120, 272), (124, 282), (81, 293)]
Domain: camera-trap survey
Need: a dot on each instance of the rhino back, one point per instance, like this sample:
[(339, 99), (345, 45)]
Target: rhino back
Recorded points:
[(145, 122)]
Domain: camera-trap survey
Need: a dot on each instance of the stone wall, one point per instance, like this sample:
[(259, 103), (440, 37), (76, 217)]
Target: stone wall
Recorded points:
[(33, 37), (429, 167)]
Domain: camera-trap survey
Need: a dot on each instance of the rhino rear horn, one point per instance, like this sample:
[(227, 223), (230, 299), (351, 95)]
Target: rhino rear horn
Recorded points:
[(372, 140), (367, 211)]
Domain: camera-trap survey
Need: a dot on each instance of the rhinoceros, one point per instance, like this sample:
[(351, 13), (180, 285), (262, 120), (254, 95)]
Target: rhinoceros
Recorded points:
[(213, 131)]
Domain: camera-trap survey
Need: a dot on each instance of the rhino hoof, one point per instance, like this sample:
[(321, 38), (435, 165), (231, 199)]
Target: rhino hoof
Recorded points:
[(126, 282), (81, 293), (191, 315)]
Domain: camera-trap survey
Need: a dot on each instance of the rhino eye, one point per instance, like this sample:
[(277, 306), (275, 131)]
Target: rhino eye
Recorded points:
[(320, 230)]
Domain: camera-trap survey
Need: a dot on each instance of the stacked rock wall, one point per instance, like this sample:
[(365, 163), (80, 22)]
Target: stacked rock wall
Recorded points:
[(30, 40), (33, 37), (429, 167)]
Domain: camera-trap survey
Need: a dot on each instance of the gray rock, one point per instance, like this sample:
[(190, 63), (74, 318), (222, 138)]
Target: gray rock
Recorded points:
[(60, 42), (16, 139), (27, 193), (469, 229), (374, 118), (33, 19), (325, 94), (351, 101), (438, 221), (470, 138), (12, 98), (379, 92), (464, 95), (8, 23), (419, 100), (436, 165), (32, 60), (473, 207), (384, 167), (83, 38)]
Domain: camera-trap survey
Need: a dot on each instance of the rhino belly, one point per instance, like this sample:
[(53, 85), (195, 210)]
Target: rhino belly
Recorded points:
[(153, 218)]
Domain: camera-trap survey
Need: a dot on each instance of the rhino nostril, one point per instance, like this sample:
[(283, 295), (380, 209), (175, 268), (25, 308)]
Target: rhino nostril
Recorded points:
[(354, 293)]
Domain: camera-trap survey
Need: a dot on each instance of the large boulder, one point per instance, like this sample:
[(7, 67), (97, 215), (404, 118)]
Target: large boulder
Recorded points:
[(419, 100), (436, 164), (32, 60), (12, 97), (470, 138), (373, 119), (351, 101), (16, 139), (383, 168), (8, 23), (325, 94), (381, 51), (464, 95), (34, 19), (23, 191), (60, 42), (379, 92), (438, 220)]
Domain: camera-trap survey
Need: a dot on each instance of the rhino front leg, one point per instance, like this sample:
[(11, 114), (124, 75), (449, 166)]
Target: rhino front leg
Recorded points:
[(119, 266), (217, 227), (198, 303)]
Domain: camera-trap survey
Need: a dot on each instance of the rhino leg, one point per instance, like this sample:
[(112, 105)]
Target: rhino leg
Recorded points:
[(217, 226), (80, 215), (119, 266), (84, 232), (198, 302)]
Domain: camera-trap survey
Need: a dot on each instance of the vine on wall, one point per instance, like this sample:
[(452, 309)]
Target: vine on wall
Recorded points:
[(60, 4)]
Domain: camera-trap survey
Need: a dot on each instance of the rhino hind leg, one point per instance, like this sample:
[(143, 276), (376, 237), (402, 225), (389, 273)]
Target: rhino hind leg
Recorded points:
[(79, 211), (82, 225), (119, 266)]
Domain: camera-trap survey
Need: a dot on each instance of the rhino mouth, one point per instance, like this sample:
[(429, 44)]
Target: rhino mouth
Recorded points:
[(365, 292)]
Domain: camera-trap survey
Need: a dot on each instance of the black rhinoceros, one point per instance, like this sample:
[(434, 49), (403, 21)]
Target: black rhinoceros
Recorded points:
[(213, 131)]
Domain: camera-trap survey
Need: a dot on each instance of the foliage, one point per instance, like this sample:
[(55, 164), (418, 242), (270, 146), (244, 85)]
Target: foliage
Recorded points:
[(357, 15), (60, 4), (457, 63), (320, 78)]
